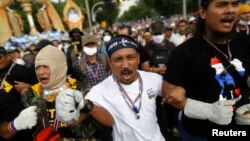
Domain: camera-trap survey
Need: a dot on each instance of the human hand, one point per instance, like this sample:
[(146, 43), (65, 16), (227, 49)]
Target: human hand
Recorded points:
[(20, 86), (176, 97), (25, 120), (68, 105), (220, 112), (162, 70), (243, 115)]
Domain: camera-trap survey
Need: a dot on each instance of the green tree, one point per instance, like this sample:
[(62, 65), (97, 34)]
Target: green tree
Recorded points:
[(157, 8), (141, 9), (170, 7), (109, 13)]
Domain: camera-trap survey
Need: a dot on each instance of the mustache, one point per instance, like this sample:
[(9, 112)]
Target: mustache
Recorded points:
[(126, 71), (228, 17)]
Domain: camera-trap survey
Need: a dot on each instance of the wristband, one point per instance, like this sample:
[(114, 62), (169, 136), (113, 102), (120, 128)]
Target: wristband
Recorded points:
[(11, 127)]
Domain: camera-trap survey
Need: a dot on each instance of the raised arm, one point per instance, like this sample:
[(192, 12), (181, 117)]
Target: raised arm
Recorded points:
[(27, 119), (70, 103)]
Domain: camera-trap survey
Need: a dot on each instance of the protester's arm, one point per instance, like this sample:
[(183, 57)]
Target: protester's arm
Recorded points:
[(27, 119), (102, 115), (146, 67), (21, 86), (5, 132), (219, 112), (243, 115), (174, 95), (70, 102)]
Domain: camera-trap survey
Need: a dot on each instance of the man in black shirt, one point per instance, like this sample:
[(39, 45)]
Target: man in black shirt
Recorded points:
[(11, 77), (207, 74)]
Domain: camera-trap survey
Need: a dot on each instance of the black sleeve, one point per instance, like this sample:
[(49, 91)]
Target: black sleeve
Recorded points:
[(10, 107), (177, 68), (245, 44), (31, 77), (144, 56)]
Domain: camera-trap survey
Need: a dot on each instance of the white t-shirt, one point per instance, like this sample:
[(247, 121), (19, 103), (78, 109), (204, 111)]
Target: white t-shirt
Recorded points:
[(127, 127), (177, 39)]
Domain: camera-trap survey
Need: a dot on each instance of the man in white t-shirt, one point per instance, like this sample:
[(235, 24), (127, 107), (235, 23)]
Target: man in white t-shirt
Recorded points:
[(126, 100), (179, 37)]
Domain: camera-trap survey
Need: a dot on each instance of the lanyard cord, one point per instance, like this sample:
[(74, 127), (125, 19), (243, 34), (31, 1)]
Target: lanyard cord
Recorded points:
[(46, 94), (8, 73), (228, 57), (95, 75), (129, 100)]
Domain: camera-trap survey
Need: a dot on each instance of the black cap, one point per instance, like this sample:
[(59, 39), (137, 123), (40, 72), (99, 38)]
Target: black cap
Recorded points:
[(75, 30), (43, 43), (157, 26), (2, 50)]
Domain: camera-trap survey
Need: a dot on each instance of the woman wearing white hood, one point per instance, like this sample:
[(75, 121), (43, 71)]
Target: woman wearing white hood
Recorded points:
[(51, 70)]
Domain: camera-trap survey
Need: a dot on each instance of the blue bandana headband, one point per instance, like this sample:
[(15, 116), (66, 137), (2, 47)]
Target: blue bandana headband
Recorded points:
[(120, 42)]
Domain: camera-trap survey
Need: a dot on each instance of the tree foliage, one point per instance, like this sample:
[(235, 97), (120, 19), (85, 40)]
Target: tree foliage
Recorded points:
[(141, 9), (158, 7), (170, 7)]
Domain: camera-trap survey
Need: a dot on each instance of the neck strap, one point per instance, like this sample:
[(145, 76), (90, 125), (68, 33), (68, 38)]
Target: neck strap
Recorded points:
[(127, 98)]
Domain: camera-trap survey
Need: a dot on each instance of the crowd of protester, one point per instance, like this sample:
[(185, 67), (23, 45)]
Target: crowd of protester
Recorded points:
[(83, 86)]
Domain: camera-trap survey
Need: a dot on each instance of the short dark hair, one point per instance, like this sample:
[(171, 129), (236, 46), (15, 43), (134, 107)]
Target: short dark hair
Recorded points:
[(201, 22), (43, 43), (205, 3), (75, 30), (3, 50), (107, 31), (182, 21), (125, 26)]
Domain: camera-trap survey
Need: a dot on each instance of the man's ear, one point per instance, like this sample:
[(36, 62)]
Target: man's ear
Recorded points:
[(109, 62), (202, 13)]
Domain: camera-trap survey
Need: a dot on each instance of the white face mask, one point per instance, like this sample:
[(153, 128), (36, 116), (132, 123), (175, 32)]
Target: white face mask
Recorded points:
[(106, 38), (158, 38), (90, 51), (244, 23)]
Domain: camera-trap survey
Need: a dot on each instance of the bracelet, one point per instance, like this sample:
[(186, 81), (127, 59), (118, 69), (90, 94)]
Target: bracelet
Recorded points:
[(11, 127)]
